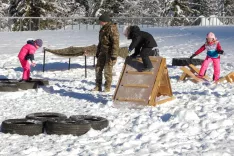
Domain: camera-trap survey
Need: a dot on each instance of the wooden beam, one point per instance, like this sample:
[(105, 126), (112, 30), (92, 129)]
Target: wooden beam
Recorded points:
[(165, 100), (139, 73), (187, 71), (136, 85), (130, 100)]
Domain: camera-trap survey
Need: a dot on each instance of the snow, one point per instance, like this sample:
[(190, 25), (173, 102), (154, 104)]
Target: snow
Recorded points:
[(198, 122)]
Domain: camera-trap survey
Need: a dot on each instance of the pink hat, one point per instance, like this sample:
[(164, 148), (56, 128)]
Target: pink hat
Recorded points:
[(211, 35)]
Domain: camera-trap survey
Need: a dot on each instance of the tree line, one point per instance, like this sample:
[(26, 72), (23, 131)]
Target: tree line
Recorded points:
[(116, 8)]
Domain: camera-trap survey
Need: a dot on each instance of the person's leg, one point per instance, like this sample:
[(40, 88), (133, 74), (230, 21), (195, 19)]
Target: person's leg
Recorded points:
[(26, 69), (108, 74), (98, 69), (216, 64), (144, 53), (204, 66)]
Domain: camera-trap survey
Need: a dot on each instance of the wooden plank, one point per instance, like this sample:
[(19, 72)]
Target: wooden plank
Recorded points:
[(186, 70), (194, 69), (229, 77), (132, 100), (139, 73), (183, 76), (157, 82), (136, 86), (152, 59), (165, 100), (121, 77)]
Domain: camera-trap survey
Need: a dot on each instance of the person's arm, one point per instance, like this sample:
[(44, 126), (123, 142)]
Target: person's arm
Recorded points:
[(201, 49), (219, 48), (135, 42), (98, 50), (137, 51), (114, 37)]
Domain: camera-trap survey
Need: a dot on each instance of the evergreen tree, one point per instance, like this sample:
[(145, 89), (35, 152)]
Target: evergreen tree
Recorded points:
[(180, 10), (29, 8), (4, 4), (228, 8)]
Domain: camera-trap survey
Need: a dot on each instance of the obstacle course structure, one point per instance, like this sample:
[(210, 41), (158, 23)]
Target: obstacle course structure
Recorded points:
[(143, 88)]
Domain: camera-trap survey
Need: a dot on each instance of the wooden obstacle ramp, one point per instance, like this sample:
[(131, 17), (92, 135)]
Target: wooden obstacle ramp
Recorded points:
[(136, 88)]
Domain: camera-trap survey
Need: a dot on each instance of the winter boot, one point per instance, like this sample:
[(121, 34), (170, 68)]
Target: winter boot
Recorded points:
[(147, 69), (97, 88), (106, 90)]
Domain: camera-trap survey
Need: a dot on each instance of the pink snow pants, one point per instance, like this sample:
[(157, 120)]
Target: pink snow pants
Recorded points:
[(26, 69), (216, 65)]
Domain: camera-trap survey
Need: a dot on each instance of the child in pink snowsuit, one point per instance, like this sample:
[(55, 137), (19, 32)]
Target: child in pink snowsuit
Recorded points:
[(214, 50), (27, 53)]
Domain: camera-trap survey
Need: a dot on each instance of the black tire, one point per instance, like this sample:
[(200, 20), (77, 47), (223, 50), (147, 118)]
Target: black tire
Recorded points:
[(22, 126), (44, 116), (67, 126), (186, 61), (97, 123)]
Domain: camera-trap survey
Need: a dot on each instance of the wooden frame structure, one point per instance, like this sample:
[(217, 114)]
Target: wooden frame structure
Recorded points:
[(190, 72), (229, 77), (143, 88), (69, 63)]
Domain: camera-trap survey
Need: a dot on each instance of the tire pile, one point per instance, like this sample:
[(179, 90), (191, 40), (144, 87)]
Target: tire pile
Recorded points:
[(53, 123)]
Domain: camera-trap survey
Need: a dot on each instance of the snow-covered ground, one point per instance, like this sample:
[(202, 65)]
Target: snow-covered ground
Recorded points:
[(198, 122)]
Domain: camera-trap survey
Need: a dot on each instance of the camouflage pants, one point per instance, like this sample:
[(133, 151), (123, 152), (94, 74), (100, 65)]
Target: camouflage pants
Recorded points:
[(104, 63)]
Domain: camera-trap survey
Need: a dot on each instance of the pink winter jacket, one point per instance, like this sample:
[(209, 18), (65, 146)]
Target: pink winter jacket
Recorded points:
[(25, 50)]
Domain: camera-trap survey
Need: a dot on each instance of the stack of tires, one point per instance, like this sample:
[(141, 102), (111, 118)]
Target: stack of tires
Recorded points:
[(53, 123)]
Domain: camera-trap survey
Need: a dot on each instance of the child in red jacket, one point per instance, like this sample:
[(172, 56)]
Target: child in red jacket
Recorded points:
[(27, 53), (214, 50)]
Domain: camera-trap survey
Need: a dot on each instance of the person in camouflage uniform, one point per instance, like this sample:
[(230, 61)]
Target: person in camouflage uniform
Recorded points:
[(107, 52)]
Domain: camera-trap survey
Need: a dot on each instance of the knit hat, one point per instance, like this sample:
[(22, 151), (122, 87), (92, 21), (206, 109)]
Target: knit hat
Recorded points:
[(211, 35), (104, 18), (39, 42)]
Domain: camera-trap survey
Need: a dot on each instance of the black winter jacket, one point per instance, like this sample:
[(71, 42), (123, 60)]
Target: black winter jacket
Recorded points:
[(140, 39)]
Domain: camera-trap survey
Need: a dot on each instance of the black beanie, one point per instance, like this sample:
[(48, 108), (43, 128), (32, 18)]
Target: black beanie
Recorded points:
[(104, 18)]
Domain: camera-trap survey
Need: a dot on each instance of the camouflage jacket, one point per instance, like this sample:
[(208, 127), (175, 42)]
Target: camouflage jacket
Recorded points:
[(108, 40)]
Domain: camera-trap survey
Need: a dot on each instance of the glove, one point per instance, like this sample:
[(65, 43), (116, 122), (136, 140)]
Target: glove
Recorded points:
[(191, 57), (129, 50), (113, 59), (220, 51), (33, 63)]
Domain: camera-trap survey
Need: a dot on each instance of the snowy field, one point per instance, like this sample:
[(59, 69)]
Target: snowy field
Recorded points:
[(198, 122)]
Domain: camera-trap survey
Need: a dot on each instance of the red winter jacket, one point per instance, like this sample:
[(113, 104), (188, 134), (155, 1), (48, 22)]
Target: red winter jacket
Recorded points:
[(203, 47), (27, 49)]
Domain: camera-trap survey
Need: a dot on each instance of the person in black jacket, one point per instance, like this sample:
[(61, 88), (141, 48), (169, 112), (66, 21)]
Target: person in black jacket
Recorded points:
[(143, 43)]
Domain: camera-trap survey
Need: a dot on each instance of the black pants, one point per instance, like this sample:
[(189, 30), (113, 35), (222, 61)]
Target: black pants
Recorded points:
[(145, 53)]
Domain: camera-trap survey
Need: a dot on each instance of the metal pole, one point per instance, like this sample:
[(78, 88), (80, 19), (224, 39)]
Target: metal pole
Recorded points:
[(94, 61), (85, 67), (69, 64), (44, 60), (39, 24), (21, 24), (30, 22)]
